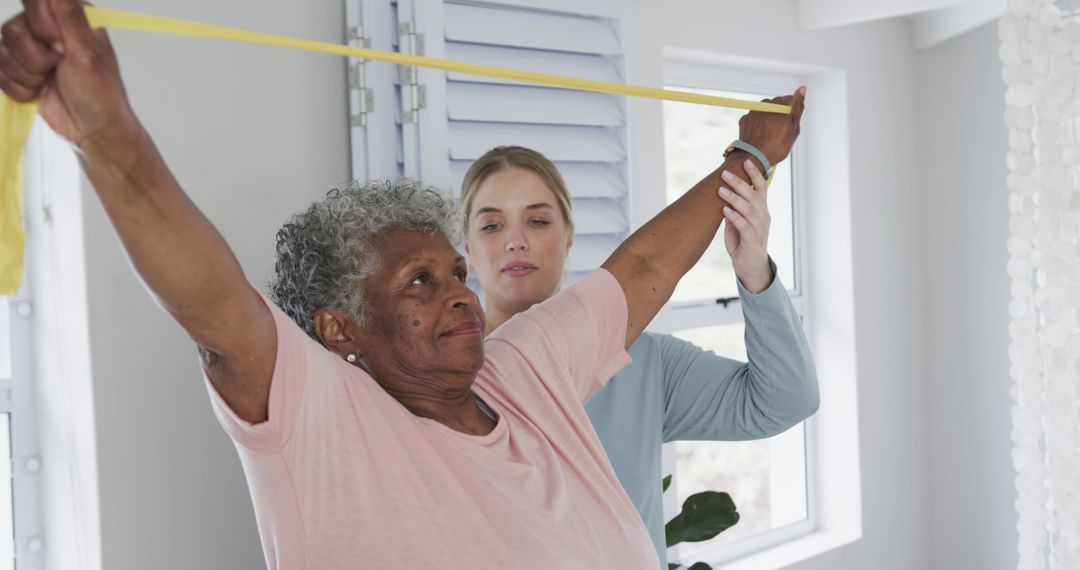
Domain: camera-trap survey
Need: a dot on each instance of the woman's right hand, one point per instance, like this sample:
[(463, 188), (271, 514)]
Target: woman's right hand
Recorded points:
[(50, 53)]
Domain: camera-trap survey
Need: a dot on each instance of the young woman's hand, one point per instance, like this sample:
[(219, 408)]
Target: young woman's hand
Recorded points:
[(746, 232)]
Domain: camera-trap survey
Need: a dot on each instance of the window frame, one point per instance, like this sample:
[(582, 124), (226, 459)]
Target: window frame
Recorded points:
[(685, 73), (696, 75), (24, 465), (58, 519)]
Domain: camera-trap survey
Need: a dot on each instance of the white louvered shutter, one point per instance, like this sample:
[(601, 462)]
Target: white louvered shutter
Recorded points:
[(375, 133), (465, 116)]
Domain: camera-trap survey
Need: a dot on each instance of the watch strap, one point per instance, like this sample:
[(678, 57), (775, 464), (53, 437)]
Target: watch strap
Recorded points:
[(755, 152)]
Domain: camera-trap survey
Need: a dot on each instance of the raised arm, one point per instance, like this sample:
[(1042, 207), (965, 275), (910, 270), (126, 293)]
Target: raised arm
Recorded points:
[(709, 397), (651, 261), (50, 54)]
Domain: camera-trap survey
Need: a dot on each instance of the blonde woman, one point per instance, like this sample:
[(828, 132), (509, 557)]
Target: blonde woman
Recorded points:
[(519, 230)]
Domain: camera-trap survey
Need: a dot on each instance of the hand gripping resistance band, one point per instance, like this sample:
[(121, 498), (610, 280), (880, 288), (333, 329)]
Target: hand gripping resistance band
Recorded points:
[(16, 119)]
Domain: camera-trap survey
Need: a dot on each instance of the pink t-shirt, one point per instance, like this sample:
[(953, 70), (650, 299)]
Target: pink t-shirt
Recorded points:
[(343, 476)]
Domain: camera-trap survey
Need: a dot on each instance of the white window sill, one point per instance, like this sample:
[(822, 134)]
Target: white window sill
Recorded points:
[(791, 552)]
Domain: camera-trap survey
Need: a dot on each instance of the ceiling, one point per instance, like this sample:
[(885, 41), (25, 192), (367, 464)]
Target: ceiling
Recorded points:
[(933, 21)]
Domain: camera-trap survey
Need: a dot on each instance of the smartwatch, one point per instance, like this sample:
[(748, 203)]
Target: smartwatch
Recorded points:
[(753, 150)]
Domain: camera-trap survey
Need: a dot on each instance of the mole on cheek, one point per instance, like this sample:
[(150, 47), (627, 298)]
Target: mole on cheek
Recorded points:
[(416, 323)]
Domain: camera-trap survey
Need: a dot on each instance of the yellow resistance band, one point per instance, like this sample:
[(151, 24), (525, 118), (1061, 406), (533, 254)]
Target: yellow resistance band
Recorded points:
[(17, 119), (15, 122), (103, 18)]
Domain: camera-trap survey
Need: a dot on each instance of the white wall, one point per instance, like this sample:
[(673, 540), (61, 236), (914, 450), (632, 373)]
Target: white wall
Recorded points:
[(963, 228), (253, 134), (879, 65)]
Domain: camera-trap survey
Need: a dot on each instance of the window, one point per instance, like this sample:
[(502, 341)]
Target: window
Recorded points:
[(687, 130), (767, 479)]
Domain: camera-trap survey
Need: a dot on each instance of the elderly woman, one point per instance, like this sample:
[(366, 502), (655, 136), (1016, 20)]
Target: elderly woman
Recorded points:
[(376, 426)]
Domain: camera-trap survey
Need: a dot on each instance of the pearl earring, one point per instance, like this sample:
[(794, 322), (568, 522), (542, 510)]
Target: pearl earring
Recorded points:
[(351, 357)]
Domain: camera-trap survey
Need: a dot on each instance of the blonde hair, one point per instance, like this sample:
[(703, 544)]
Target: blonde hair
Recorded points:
[(503, 157)]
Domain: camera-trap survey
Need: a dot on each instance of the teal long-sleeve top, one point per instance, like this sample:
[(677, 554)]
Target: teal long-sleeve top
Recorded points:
[(675, 391)]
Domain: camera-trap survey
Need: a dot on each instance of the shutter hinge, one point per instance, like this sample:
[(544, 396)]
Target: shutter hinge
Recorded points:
[(413, 94), (363, 97)]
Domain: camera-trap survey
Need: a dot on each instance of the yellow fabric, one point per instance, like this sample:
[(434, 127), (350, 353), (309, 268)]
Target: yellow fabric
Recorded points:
[(16, 120)]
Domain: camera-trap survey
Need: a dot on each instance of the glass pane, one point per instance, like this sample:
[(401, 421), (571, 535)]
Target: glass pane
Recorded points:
[(765, 478), (695, 137), (7, 513)]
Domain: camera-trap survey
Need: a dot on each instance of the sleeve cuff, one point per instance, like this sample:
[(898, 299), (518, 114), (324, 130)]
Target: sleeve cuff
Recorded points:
[(774, 286)]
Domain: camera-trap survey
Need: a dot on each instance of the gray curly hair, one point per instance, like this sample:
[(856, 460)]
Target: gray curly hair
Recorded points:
[(325, 253)]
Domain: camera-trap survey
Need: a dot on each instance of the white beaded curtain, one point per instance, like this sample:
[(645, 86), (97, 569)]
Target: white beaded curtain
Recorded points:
[(1040, 53)]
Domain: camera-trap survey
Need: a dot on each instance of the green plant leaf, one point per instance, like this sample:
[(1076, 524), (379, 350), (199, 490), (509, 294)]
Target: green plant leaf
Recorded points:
[(704, 515), (671, 565), (667, 483)]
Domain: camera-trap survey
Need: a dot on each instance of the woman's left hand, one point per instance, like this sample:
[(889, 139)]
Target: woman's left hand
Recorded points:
[(746, 233)]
